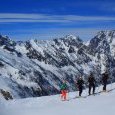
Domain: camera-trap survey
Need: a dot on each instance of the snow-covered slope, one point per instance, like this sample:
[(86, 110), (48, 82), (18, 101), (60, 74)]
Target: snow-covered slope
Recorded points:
[(37, 68), (103, 104)]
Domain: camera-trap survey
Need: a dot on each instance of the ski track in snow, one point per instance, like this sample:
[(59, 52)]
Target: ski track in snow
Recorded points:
[(103, 104)]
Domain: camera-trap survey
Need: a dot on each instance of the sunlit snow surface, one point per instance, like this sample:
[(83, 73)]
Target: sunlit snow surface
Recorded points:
[(103, 104)]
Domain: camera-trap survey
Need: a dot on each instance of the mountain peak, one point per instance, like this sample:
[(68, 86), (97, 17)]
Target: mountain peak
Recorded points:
[(5, 40), (107, 35), (70, 36)]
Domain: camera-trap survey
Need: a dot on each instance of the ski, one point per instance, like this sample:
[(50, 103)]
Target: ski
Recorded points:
[(110, 90), (78, 97)]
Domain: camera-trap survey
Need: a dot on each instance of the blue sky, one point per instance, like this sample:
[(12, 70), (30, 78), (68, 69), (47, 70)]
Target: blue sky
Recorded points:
[(47, 19)]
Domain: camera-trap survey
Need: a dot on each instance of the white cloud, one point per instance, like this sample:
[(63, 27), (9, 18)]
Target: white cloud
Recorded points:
[(30, 20), (14, 17)]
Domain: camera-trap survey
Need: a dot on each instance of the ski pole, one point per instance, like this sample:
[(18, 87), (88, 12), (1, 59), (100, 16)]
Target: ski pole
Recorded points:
[(98, 88), (85, 89), (67, 95), (111, 84)]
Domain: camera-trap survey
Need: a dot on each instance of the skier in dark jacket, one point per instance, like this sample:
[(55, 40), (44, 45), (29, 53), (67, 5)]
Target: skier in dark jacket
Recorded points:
[(80, 83), (105, 78), (91, 81)]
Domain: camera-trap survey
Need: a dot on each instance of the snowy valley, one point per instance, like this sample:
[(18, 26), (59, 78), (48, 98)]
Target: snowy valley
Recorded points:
[(37, 67)]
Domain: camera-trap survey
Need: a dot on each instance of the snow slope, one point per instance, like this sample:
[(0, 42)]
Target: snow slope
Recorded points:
[(103, 104)]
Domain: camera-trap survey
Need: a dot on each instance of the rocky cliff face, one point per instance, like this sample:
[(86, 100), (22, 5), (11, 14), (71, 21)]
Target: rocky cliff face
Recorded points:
[(37, 68)]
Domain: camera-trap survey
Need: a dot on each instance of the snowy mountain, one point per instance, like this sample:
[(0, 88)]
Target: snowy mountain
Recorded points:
[(37, 67), (102, 104)]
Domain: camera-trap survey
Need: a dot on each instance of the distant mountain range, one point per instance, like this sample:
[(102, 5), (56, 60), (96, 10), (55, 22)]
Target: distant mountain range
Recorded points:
[(38, 67)]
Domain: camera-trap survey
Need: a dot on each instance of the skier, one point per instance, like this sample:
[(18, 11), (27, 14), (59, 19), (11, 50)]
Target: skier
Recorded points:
[(64, 91), (91, 81), (105, 78), (80, 83)]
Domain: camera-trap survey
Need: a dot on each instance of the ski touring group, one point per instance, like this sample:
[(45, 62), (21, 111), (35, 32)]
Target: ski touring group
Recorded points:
[(91, 82)]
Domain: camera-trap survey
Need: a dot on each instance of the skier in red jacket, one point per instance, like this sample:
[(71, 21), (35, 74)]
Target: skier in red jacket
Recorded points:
[(64, 91)]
